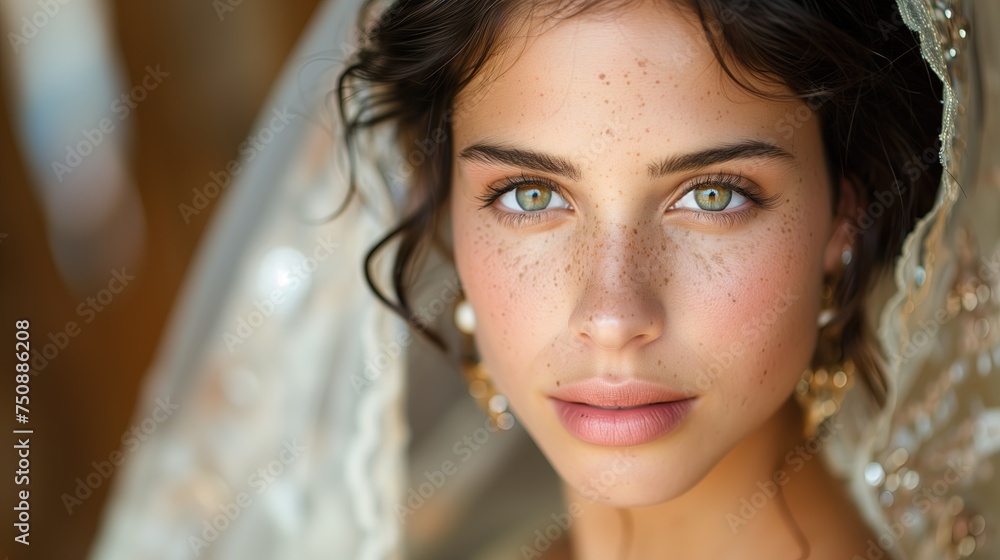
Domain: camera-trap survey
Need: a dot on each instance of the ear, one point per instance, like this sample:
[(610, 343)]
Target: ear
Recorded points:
[(844, 230)]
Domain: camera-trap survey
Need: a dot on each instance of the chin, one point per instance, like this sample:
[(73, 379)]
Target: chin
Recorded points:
[(628, 477)]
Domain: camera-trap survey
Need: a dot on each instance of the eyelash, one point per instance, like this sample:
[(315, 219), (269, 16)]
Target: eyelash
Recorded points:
[(736, 183), (496, 190), (739, 185)]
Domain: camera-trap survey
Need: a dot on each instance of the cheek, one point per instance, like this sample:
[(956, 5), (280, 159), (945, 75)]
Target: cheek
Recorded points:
[(754, 312), (513, 292)]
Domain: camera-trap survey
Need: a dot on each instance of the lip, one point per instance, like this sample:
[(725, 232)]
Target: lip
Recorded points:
[(623, 414)]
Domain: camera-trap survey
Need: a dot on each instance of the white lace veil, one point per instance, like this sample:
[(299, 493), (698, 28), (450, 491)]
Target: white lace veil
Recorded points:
[(922, 470), (278, 357), (290, 437)]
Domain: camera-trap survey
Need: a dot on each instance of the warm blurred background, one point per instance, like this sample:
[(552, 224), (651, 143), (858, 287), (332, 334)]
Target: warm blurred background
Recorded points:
[(194, 74)]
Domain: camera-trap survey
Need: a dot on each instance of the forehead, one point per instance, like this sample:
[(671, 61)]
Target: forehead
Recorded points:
[(636, 74)]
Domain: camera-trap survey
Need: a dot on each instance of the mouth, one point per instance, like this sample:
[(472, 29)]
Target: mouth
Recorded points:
[(624, 414), (619, 407)]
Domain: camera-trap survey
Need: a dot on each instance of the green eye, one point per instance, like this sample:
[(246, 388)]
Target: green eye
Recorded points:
[(713, 198), (721, 196), (525, 196), (532, 198)]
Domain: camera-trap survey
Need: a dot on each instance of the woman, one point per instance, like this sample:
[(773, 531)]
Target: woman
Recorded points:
[(660, 215)]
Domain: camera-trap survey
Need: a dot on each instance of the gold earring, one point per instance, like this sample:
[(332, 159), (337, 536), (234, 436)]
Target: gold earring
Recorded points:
[(480, 385), (823, 387)]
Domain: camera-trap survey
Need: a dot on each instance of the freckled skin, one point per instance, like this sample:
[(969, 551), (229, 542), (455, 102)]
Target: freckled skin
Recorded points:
[(622, 284)]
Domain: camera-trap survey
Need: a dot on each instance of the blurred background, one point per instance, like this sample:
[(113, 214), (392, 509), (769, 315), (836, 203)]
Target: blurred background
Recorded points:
[(111, 114)]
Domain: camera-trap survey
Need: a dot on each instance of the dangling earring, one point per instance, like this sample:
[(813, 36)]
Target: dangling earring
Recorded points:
[(823, 387), (480, 385)]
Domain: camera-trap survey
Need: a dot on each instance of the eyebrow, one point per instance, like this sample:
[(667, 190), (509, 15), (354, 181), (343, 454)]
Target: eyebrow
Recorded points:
[(493, 153), (747, 149)]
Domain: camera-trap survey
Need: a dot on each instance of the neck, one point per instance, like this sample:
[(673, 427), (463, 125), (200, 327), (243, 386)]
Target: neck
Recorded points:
[(740, 505)]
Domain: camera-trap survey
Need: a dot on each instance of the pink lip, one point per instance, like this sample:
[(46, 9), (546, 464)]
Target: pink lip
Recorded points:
[(651, 411)]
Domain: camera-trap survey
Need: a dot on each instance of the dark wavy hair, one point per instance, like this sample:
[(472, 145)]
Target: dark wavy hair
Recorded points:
[(854, 64)]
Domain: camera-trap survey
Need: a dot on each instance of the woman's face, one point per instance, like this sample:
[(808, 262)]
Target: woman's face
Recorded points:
[(600, 279)]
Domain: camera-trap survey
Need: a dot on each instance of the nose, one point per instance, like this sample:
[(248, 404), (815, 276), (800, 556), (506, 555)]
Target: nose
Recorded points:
[(620, 304)]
